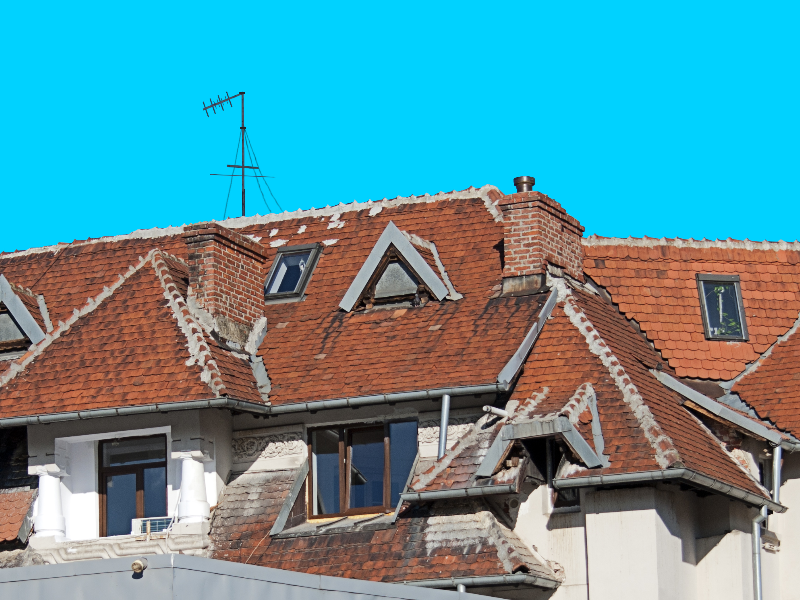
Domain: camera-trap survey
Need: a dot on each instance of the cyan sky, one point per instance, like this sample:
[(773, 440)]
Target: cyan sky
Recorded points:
[(671, 119)]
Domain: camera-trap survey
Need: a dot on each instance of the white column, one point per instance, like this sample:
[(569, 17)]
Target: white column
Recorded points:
[(49, 515), (193, 506)]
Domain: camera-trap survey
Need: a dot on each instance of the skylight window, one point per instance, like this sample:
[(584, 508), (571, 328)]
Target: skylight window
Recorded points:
[(722, 308), (291, 271)]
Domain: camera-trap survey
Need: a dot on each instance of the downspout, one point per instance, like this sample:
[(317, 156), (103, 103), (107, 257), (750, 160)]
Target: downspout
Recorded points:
[(777, 454), (443, 425)]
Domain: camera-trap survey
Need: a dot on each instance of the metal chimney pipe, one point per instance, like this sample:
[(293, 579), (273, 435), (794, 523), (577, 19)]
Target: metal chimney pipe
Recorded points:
[(524, 183), (443, 425)]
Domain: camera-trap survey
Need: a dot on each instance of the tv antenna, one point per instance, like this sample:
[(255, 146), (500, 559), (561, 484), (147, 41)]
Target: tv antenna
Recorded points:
[(245, 141)]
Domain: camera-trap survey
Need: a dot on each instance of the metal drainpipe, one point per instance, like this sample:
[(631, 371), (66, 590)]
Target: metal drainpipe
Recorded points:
[(777, 454), (443, 425), (461, 587)]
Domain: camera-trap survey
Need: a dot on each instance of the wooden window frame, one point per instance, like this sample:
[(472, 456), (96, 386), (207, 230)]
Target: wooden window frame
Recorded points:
[(138, 470), (345, 457)]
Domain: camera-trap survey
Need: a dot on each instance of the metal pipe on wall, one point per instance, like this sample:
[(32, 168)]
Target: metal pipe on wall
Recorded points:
[(443, 425), (777, 455)]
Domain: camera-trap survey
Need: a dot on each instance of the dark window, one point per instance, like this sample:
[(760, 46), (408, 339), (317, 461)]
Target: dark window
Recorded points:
[(133, 482), (360, 469), (11, 335), (291, 271), (721, 304)]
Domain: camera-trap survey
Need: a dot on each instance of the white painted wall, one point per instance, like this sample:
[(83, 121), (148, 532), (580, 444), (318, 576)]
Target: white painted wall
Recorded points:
[(787, 526), (556, 537), (640, 544), (73, 446)]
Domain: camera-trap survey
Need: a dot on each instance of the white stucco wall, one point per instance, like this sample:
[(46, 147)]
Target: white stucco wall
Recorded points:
[(73, 447)]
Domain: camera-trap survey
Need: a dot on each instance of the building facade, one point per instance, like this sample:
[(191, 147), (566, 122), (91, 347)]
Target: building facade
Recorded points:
[(439, 391)]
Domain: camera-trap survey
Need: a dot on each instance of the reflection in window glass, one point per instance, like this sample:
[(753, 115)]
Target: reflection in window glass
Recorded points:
[(325, 448), (120, 503), (155, 488), (134, 451), (288, 272), (403, 451), (366, 467), (722, 309)]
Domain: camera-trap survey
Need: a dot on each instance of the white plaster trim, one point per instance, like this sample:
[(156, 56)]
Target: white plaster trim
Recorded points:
[(766, 354), (744, 469), (8, 296), (418, 241), (62, 327), (666, 456), (579, 402), (112, 435), (199, 353), (595, 240), (239, 222)]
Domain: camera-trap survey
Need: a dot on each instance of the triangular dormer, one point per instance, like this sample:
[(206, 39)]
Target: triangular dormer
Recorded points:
[(18, 328), (394, 271)]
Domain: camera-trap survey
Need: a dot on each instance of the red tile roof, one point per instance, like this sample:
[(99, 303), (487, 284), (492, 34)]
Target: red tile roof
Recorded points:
[(653, 282), (463, 539), (126, 348), (771, 385), (14, 505)]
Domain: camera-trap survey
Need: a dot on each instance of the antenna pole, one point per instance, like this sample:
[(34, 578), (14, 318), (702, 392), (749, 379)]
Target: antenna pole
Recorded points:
[(243, 141)]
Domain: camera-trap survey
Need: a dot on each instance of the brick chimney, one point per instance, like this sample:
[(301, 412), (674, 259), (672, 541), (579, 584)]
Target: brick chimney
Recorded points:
[(226, 278), (538, 233)]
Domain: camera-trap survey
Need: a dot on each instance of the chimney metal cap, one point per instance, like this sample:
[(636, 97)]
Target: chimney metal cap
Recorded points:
[(524, 183)]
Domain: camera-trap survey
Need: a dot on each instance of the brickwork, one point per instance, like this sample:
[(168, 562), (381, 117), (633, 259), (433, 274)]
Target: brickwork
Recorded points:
[(226, 272), (538, 232)]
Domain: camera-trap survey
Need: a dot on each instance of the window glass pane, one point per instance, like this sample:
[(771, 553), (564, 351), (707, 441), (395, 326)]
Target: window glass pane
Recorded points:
[(133, 451), (366, 467), (325, 448), (397, 280), (155, 492), (722, 309), (403, 451), (9, 330), (287, 274), (120, 503)]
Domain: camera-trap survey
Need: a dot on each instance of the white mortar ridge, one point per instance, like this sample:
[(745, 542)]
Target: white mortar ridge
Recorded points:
[(199, 353), (579, 402), (652, 430), (256, 336), (766, 354), (731, 456), (430, 246), (440, 465), (646, 242), (63, 326), (239, 222)]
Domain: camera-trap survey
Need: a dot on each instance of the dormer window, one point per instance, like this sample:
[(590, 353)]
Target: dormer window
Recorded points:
[(722, 308), (291, 272), (397, 281), (12, 338)]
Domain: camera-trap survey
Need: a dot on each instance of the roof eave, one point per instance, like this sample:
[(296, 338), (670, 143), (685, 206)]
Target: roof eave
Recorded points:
[(683, 475)]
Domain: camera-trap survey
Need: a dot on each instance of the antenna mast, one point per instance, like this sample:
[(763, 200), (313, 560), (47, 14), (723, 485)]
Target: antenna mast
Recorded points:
[(221, 103)]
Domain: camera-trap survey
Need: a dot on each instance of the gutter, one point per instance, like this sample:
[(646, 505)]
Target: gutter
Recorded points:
[(255, 408), (723, 412), (682, 474), (486, 581), (470, 492)]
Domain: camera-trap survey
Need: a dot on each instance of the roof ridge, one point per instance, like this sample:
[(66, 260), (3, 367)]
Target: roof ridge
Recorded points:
[(375, 208), (730, 455), (199, 352), (753, 366), (666, 454), (648, 242), (62, 327)]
